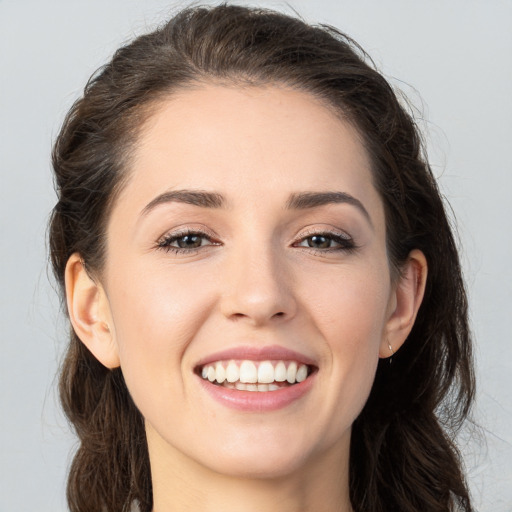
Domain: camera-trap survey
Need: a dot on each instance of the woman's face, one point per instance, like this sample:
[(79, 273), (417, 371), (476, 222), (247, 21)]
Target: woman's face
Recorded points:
[(249, 238)]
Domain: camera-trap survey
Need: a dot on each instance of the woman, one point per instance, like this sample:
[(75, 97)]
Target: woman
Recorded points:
[(266, 299)]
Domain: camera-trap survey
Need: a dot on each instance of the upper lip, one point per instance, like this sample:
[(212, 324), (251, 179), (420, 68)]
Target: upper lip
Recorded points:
[(251, 353)]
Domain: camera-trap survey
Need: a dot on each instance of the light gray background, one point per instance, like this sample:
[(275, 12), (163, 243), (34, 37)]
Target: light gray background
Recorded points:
[(456, 53)]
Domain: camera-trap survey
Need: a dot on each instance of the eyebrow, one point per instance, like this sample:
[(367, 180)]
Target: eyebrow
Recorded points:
[(305, 200), (296, 201), (199, 198)]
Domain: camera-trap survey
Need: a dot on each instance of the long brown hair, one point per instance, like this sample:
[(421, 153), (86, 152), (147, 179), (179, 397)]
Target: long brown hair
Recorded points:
[(403, 456)]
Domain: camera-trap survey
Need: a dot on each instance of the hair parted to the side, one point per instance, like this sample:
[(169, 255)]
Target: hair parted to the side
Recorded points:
[(403, 457)]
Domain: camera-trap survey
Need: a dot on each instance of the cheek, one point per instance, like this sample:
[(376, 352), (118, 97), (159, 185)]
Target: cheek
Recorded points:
[(353, 336), (350, 313), (156, 318), (350, 308), (161, 309)]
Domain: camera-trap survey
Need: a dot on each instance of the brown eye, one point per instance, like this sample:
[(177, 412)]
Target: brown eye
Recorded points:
[(327, 242), (185, 242), (189, 241), (319, 242)]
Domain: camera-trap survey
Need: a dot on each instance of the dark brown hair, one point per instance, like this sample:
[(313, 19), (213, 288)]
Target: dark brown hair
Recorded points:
[(403, 456)]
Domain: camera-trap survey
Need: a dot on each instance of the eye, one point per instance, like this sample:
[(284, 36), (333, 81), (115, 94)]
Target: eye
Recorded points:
[(327, 242), (183, 242), (319, 241)]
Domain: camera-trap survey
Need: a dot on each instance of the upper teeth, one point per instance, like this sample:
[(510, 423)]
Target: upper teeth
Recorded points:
[(264, 372)]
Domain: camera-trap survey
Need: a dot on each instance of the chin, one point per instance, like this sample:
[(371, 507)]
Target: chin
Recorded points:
[(265, 455), (260, 466)]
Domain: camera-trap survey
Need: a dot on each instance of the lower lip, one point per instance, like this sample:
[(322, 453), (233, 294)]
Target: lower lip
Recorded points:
[(258, 401)]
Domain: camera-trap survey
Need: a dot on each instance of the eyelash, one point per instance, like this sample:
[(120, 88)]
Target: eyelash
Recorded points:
[(165, 242), (345, 242)]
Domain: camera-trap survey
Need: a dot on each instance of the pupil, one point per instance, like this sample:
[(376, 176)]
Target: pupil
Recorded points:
[(319, 242), (188, 241)]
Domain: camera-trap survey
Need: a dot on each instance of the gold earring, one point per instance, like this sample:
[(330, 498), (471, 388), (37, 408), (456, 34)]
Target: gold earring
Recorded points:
[(392, 353)]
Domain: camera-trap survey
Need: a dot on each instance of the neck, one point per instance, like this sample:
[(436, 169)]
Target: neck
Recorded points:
[(181, 484)]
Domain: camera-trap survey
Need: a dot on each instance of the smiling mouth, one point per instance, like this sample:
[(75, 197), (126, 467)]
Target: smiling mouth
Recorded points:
[(248, 375)]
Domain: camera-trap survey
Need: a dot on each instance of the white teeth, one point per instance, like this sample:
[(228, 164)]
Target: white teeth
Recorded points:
[(280, 372), (291, 373), (248, 372), (232, 372), (254, 387), (265, 372), (254, 376), (302, 373), (220, 373)]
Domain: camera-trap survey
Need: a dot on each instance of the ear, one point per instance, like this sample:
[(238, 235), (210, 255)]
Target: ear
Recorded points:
[(405, 303), (89, 312)]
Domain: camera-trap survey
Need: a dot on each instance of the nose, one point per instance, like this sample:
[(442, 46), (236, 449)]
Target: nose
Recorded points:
[(257, 289)]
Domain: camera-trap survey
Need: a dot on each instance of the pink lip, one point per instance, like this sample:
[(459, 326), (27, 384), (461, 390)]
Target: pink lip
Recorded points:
[(272, 352), (258, 401)]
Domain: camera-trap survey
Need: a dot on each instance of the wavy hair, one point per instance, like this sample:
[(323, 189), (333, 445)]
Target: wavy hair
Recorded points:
[(403, 456)]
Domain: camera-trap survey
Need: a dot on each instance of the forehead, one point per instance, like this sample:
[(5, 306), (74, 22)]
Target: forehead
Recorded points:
[(269, 141)]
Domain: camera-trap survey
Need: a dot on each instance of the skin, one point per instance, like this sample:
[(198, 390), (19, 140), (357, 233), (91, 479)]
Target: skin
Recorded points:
[(255, 281)]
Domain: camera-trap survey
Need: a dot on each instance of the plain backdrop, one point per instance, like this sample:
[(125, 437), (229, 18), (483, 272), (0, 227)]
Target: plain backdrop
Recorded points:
[(453, 58)]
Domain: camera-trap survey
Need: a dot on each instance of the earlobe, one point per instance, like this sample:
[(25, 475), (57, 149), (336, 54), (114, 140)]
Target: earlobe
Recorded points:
[(405, 303), (89, 312)]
